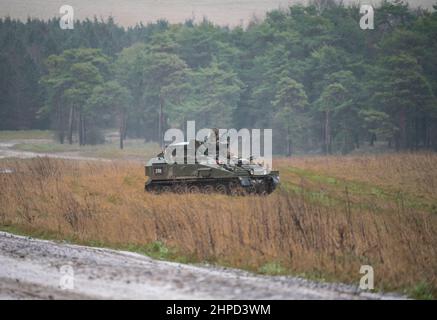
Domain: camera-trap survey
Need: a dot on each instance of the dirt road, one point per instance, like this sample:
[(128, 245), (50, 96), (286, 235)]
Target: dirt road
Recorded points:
[(7, 151), (38, 269)]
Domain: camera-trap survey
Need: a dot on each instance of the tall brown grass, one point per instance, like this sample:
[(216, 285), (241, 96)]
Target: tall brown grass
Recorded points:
[(93, 202), (415, 173)]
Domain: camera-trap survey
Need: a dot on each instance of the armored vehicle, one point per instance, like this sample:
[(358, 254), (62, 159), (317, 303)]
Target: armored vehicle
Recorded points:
[(207, 174)]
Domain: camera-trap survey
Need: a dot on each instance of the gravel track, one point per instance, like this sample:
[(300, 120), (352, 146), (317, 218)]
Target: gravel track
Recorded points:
[(32, 269)]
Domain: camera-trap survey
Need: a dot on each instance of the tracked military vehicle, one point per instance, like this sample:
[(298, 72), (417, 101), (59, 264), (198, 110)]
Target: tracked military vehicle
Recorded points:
[(207, 174)]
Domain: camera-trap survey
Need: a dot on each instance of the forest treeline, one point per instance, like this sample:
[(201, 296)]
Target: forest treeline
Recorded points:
[(309, 72)]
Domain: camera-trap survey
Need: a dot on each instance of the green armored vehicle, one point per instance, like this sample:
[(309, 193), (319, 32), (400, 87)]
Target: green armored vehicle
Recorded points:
[(206, 174)]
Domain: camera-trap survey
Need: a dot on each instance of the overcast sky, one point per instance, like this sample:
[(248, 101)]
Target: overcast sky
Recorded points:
[(129, 12)]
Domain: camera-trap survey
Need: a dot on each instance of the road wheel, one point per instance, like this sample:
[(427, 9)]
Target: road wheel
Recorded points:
[(207, 189), (235, 189), (193, 189), (241, 191), (166, 189), (154, 189), (220, 188), (179, 188), (263, 192), (250, 190)]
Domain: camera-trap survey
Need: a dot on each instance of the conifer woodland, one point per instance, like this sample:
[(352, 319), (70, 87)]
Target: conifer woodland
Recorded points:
[(309, 72)]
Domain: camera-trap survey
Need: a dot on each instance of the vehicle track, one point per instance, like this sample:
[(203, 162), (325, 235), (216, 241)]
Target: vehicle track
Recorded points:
[(7, 151), (32, 269)]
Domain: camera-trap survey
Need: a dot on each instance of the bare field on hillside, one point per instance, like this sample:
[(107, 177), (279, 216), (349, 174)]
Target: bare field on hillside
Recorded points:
[(132, 12)]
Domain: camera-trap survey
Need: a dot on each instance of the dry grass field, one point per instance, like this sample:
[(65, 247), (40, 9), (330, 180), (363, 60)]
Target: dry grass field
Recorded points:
[(330, 216)]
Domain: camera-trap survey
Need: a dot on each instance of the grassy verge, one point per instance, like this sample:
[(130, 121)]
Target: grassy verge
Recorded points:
[(25, 134), (156, 249), (290, 232), (327, 190)]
